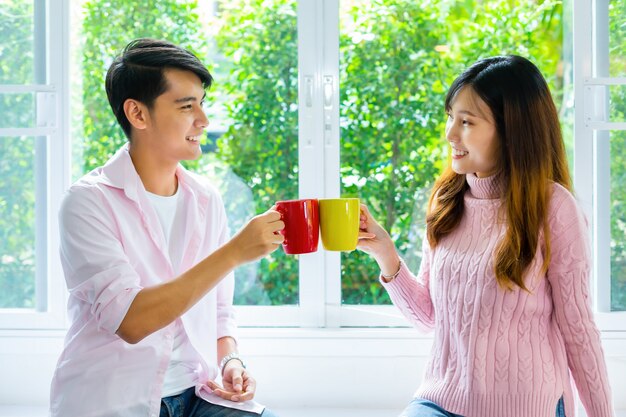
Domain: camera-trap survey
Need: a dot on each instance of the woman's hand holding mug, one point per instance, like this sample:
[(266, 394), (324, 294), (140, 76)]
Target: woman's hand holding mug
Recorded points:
[(375, 241)]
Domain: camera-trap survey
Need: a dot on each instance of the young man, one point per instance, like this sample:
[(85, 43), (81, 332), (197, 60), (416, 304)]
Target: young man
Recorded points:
[(147, 258)]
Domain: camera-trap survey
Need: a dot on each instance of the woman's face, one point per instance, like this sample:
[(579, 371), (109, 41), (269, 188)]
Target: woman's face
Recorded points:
[(471, 132)]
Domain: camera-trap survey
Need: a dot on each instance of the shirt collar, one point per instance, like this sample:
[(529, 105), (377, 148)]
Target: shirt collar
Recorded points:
[(120, 172)]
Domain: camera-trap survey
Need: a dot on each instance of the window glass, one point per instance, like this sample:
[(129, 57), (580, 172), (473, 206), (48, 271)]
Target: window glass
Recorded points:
[(17, 110), (617, 111), (257, 91), (617, 103), (618, 221), (250, 151), (17, 222), (16, 42), (397, 59), (617, 38), (22, 161)]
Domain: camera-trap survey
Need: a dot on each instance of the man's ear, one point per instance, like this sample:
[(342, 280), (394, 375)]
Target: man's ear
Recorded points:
[(136, 113)]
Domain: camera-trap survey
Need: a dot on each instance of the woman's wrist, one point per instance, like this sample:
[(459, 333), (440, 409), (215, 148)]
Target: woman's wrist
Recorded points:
[(390, 266)]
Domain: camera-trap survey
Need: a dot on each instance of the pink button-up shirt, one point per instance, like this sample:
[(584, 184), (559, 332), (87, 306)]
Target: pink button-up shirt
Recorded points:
[(112, 246)]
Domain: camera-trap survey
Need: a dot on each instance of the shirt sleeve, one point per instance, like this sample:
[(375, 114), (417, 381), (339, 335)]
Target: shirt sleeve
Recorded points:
[(97, 271), (412, 294), (568, 274), (226, 323)]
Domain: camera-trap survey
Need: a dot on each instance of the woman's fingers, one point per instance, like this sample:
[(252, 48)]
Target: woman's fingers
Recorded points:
[(366, 235)]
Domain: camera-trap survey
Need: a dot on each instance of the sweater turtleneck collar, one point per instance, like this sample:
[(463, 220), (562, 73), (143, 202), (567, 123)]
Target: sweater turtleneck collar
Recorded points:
[(486, 188)]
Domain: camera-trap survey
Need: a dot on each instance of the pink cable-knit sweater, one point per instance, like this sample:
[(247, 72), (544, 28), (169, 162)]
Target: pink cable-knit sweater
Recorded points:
[(501, 353)]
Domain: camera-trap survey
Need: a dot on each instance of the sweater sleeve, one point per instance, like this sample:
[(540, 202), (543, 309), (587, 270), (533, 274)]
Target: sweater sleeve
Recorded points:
[(568, 274), (412, 294)]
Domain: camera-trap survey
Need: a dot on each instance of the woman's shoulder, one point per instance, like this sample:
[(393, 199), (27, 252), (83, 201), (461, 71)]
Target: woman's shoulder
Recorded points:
[(563, 207)]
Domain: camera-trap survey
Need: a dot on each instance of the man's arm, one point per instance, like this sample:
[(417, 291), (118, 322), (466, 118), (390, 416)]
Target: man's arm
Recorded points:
[(155, 307), (225, 345)]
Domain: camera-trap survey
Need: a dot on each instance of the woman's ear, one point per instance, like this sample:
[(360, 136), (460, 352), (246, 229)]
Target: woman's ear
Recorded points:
[(136, 113)]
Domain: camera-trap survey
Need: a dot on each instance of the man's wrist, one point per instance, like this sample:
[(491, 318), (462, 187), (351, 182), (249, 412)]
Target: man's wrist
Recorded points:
[(230, 357)]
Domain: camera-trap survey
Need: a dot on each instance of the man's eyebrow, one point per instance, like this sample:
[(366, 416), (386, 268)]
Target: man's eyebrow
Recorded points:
[(189, 98)]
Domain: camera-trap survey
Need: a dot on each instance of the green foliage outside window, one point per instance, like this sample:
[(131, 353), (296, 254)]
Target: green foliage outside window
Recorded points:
[(17, 189), (397, 58), (617, 68), (259, 37)]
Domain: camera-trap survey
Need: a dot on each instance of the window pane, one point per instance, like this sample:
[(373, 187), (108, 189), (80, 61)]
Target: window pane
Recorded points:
[(617, 103), (16, 42), (17, 222), (617, 38), (618, 221), (250, 150), (254, 110), (17, 110), (397, 60)]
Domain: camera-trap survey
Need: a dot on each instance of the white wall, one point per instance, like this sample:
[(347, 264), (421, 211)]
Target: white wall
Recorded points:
[(363, 368)]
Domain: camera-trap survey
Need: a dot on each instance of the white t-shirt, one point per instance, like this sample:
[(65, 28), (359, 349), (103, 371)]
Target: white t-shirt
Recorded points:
[(166, 208), (184, 365)]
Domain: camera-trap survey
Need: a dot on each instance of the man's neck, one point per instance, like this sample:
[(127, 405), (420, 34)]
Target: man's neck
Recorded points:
[(157, 175)]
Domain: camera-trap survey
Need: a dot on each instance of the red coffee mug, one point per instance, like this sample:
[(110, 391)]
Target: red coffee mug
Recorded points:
[(302, 225)]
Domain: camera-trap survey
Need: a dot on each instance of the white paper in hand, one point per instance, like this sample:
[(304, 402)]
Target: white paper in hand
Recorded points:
[(204, 392)]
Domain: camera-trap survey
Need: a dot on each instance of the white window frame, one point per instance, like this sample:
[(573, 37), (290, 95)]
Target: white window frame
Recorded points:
[(318, 153), (318, 24), (592, 129), (319, 146), (51, 131)]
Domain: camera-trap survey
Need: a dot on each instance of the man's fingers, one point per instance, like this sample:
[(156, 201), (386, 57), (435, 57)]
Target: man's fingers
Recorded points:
[(238, 383), (224, 394), (277, 226), (271, 215), (249, 383), (212, 384), (246, 396), (242, 383), (249, 387), (219, 391)]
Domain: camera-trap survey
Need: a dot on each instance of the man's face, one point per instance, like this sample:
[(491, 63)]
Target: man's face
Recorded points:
[(177, 119)]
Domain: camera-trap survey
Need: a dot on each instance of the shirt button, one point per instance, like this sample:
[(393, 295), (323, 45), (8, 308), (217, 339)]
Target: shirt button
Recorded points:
[(169, 336)]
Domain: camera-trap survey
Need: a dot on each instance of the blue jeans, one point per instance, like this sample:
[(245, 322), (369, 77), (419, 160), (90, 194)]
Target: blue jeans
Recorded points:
[(188, 405), (425, 408)]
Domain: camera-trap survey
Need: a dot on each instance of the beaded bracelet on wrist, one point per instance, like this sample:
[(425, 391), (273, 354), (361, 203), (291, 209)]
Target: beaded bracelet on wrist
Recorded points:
[(231, 356), (390, 278)]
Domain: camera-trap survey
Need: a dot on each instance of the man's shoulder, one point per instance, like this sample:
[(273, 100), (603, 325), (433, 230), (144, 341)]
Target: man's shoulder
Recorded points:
[(87, 191), (88, 184)]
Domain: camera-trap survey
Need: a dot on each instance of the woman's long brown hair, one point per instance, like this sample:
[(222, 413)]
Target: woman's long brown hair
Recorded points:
[(532, 157)]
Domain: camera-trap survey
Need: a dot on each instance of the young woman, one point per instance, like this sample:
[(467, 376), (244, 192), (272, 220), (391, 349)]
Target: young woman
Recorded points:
[(505, 268)]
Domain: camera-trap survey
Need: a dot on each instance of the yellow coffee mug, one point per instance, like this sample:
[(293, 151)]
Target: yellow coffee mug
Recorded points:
[(339, 223)]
